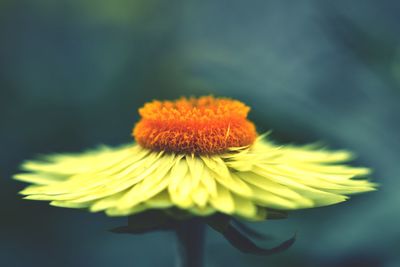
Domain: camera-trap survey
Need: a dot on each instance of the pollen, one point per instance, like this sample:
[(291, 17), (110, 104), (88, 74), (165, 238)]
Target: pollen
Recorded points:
[(204, 125)]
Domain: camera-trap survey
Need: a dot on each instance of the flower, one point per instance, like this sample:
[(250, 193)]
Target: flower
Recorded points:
[(200, 156)]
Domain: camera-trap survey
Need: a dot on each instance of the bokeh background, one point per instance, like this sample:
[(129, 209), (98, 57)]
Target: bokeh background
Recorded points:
[(74, 72)]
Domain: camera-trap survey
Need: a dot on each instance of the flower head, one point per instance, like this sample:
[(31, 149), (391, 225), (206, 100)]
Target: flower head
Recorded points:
[(200, 156), (194, 126)]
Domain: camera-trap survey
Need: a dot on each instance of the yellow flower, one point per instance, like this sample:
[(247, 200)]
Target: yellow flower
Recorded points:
[(198, 156)]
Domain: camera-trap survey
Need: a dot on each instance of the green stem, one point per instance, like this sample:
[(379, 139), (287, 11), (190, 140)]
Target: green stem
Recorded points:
[(190, 236)]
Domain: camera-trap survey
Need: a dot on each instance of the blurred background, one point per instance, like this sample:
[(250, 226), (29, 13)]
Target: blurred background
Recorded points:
[(74, 72)]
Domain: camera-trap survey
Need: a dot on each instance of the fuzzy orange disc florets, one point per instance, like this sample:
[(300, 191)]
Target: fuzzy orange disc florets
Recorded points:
[(204, 125)]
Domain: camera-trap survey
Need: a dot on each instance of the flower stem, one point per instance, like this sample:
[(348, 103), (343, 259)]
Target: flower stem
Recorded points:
[(190, 236)]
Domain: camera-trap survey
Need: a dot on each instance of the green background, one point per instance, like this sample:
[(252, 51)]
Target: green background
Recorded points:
[(74, 72)]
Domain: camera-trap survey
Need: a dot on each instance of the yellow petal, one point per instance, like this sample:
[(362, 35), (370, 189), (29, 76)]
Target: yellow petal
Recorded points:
[(228, 179), (244, 207), (180, 184), (223, 202)]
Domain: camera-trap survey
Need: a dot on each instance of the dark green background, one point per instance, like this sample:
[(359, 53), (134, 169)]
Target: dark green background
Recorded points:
[(73, 74)]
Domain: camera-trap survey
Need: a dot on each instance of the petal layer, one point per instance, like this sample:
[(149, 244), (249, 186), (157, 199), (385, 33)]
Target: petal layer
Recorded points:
[(244, 182)]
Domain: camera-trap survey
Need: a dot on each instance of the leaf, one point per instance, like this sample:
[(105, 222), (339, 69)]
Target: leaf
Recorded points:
[(146, 222), (221, 223), (245, 245), (242, 227), (276, 214)]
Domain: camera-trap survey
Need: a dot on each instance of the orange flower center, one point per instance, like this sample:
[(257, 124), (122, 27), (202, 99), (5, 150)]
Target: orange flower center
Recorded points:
[(204, 125)]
